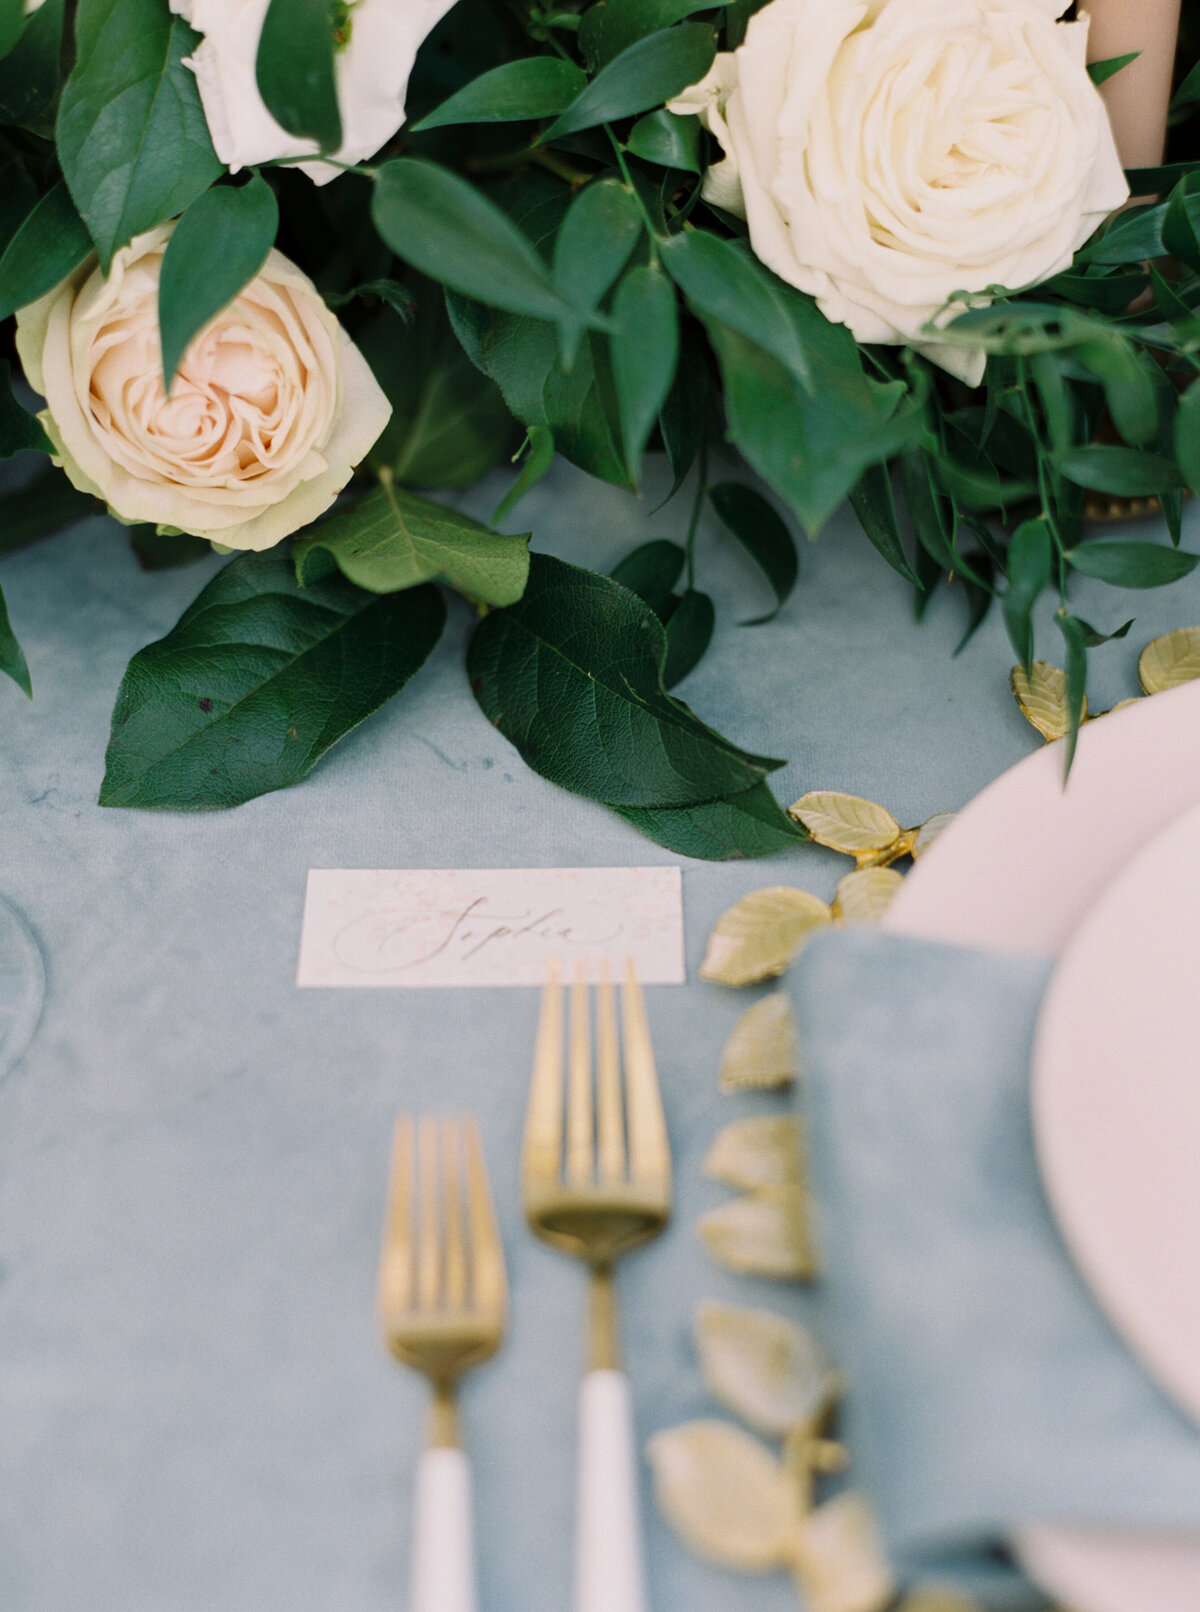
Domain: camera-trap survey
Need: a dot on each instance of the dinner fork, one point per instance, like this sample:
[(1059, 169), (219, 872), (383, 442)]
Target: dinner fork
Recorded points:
[(442, 1300), (597, 1187)]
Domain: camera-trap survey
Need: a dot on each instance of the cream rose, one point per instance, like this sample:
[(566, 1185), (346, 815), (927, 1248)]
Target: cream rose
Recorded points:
[(372, 68), (888, 153), (272, 407)]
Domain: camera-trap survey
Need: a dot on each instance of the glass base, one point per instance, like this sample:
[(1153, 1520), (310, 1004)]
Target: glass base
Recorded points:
[(22, 986)]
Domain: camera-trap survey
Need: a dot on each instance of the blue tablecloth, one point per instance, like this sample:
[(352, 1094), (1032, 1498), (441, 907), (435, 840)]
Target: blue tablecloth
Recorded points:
[(196, 1413)]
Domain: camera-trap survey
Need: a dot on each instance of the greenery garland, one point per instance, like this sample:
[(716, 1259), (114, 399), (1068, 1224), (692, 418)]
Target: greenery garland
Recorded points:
[(532, 266)]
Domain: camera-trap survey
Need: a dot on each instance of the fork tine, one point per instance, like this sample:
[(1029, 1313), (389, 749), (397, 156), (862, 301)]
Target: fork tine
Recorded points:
[(580, 1161), (649, 1150), (541, 1152), (395, 1261), (487, 1256), (429, 1228), (611, 1150), (454, 1251)]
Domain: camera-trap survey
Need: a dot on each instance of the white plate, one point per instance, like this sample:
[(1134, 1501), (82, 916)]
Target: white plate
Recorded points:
[(1018, 869), (1116, 1104), (1021, 864)]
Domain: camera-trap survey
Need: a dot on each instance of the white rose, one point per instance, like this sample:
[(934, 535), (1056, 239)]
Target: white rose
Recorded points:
[(270, 411), (372, 69), (888, 153)]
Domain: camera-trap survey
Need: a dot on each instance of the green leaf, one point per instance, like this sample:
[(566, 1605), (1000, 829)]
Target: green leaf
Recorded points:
[(651, 571), (1108, 292), (254, 683), (1093, 638), (738, 17), (572, 676), (295, 70), (165, 551), (217, 248), (613, 25), (1030, 563), (668, 139), (29, 74), (689, 633), (644, 352), (1076, 668), (749, 824), (931, 512), (537, 462), (451, 232), (979, 599), (1169, 303), (1188, 92), (593, 244), (394, 540), (51, 244), (1124, 472), (39, 508), (1101, 72), (12, 24), (1187, 435), (581, 407), (18, 428), (449, 425), (1181, 222), (1058, 403), (18, 198), (874, 503), (131, 135), (1128, 385), (724, 283), (1157, 181), (517, 353), (763, 535), (1127, 564), (811, 449), (644, 75), (685, 417), (12, 657), (1132, 237), (531, 87), (397, 297), (522, 355)]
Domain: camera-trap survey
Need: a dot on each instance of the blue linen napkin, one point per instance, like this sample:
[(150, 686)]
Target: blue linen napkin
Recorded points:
[(987, 1388)]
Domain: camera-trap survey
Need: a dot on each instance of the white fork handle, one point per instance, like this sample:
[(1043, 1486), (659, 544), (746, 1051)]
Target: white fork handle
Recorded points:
[(608, 1545), (443, 1573)]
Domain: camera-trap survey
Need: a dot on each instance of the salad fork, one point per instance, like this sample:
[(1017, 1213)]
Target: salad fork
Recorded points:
[(596, 1182), (442, 1301)]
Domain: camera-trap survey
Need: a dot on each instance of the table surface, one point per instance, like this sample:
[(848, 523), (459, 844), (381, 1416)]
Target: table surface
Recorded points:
[(197, 1412)]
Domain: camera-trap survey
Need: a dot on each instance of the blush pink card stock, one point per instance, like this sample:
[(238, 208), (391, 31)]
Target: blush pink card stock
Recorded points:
[(489, 926)]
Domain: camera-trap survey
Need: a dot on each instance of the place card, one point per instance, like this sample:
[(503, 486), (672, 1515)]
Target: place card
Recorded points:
[(489, 926)]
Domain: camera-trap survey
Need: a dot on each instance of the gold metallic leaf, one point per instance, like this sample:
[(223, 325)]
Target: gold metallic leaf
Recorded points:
[(725, 1495), (929, 831), (938, 1598), (839, 1561), (761, 934), (845, 822), (769, 1371), (1170, 660), (762, 1233), (762, 1151), (1134, 699), (865, 895), (761, 1051), (1043, 698)]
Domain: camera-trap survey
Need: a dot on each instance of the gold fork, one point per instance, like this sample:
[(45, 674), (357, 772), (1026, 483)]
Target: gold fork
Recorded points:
[(597, 1186), (442, 1299)]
